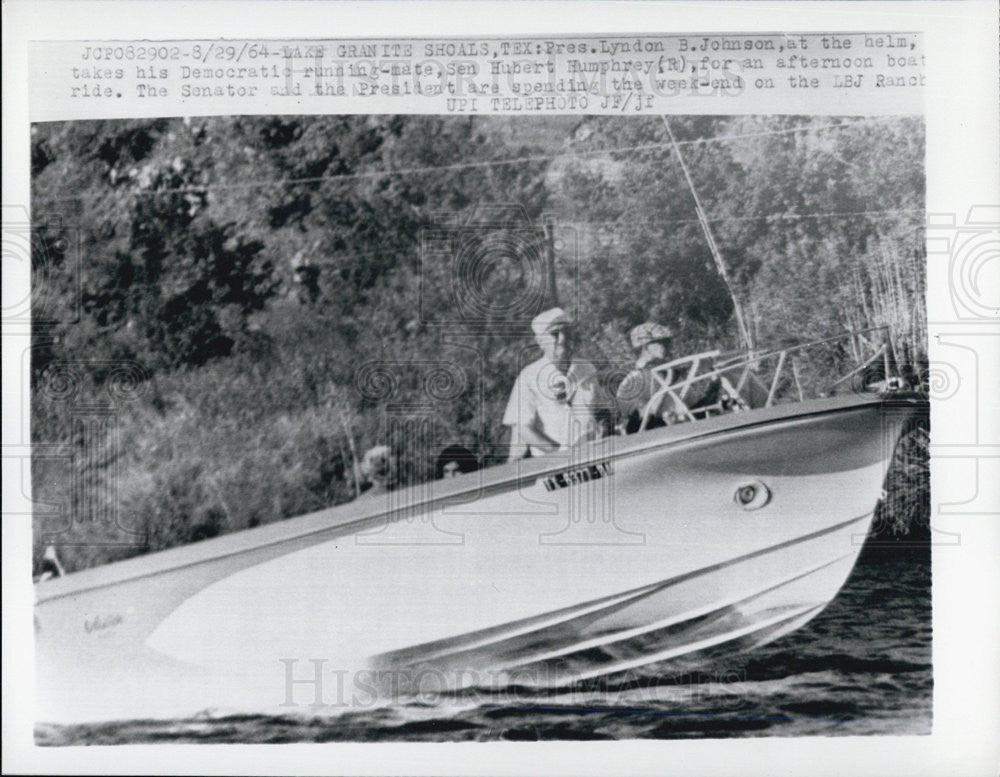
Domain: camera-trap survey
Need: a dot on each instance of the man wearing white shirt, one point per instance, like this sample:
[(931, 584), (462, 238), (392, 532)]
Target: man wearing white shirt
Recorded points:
[(556, 401)]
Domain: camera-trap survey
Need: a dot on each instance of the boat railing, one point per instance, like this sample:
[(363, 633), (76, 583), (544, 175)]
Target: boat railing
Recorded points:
[(713, 382)]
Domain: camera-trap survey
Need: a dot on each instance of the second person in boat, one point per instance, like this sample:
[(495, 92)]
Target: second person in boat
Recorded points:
[(651, 343)]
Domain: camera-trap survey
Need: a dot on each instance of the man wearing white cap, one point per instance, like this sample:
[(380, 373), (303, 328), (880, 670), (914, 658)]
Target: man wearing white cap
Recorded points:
[(650, 341), (556, 401)]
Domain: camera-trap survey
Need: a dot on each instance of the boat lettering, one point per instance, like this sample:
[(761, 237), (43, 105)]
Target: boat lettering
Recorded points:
[(98, 622), (574, 476)]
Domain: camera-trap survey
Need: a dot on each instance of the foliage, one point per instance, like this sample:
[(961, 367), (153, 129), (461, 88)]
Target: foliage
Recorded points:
[(905, 511), (162, 281)]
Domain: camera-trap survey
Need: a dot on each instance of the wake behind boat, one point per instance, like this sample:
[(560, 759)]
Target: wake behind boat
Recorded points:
[(722, 533)]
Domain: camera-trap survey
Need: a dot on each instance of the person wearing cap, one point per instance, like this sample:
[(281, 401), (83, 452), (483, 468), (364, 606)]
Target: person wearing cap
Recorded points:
[(556, 401), (651, 342)]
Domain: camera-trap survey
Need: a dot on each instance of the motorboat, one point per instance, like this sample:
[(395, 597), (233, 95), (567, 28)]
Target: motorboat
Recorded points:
[(719, 533)]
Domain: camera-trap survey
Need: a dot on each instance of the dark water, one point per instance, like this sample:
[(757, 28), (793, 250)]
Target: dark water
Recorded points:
[(863, 666)]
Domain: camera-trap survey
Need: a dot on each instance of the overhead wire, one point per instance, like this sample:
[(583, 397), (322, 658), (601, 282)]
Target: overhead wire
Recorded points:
[(369, 174), (703, 218), (767, 217)]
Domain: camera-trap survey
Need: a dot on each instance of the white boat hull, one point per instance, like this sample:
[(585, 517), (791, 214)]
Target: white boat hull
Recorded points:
[(511, 576)]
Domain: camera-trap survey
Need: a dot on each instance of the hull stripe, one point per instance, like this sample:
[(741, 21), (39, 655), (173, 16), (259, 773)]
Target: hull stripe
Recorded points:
[(697, 613), (702, 644), (439, 648)]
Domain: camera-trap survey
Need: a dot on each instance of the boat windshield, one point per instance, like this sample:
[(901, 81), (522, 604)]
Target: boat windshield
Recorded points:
[(713, 382)]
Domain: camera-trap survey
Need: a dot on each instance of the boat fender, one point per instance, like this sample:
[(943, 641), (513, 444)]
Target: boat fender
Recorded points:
[(752, 496)]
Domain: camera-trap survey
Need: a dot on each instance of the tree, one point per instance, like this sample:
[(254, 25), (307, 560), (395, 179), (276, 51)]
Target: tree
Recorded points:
[(162, 281)]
